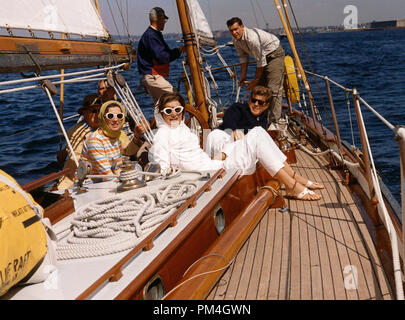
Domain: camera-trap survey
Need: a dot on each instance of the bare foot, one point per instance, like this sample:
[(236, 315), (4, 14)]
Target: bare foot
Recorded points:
[(314, 185), (299, 192)]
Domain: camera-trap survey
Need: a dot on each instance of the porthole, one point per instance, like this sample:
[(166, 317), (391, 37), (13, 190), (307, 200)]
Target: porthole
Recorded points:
[(219, 219), (154, 289)]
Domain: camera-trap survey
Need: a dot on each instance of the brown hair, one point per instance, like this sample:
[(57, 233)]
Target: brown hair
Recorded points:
[(88, 101), (233, 20), (169, 97), (261, 91)]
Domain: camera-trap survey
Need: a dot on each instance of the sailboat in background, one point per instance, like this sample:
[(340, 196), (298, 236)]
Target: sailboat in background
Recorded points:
[(218, 223)]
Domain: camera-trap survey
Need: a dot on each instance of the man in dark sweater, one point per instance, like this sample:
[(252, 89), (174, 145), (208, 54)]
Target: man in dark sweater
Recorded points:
[(239, 118), (154, 56)]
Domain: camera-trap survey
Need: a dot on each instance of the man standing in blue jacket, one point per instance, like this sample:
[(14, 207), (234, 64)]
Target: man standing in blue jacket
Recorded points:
[(154, 56)]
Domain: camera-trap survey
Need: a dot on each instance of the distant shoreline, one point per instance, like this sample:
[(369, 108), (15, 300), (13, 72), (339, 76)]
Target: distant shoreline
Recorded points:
[(307, 30), (358, 29)]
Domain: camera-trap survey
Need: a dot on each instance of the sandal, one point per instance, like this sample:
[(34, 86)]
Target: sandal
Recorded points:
[(304, 196), (314, 185)]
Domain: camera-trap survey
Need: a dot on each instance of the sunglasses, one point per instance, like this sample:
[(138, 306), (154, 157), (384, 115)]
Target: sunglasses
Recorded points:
[(260, 102), (176, 110), (111, 116)]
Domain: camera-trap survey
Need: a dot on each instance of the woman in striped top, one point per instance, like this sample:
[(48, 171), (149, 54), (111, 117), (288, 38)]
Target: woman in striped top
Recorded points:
[(105, 146)]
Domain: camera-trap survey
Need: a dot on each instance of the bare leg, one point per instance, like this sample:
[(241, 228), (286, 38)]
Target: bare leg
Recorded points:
[(300, 179), (292, 187)]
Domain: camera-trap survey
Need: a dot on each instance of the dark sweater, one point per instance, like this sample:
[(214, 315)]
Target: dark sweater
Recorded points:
[(153, 52), (238, 116)]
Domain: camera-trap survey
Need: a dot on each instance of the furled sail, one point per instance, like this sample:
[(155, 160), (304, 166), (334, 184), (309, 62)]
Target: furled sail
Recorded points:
[(65, 16), (201, 25)]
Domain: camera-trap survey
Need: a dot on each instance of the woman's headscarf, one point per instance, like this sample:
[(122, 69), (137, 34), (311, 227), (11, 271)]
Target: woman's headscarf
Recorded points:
[(102, 122)]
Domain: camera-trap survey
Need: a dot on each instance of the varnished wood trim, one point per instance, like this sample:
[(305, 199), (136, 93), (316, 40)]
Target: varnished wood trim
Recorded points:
[(317, 129), (198, 115), (133, 290), (49, 54), (59, 210), (54, 46), (44, 180), (147, 243), (226, 246)]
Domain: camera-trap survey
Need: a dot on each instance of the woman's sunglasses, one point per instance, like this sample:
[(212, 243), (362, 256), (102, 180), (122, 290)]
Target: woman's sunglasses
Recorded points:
[(111, 116), (176, 110), (260, 102)]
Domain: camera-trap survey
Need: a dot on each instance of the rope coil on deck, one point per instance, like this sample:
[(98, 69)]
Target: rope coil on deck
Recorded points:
[(115, 224)]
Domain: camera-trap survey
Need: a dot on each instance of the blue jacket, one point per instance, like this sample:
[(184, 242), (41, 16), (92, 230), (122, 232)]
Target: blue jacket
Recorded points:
[(154, 55), (238, 116)]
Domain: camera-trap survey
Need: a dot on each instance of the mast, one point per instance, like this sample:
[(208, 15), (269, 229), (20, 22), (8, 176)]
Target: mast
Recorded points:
[(300, 68), (97, 6), (194, 65)]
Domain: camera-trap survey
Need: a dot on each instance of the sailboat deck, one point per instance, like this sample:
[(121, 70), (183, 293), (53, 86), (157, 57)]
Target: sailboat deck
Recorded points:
[(316, 250)]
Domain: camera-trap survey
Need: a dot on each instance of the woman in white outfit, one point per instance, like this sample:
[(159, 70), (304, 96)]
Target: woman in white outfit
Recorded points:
[(175, 146)]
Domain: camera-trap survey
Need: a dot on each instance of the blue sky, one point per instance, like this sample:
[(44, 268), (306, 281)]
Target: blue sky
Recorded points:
[(308, 12)]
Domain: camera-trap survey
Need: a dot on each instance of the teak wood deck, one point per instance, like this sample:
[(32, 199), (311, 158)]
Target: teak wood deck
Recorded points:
[(316, 250)]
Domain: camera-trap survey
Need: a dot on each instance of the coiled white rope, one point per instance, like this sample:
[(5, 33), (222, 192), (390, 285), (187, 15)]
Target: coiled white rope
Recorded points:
[(117, 223)]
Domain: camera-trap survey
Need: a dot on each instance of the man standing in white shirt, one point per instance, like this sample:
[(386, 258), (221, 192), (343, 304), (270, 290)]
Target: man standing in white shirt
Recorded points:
[(265, 48)]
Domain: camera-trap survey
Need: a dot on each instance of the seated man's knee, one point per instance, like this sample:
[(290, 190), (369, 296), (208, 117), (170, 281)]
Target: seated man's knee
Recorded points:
[(257, 132), (216, 141)]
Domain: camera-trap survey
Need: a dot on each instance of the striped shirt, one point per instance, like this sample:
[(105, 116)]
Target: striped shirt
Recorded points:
[(257, 44), (103, 153)]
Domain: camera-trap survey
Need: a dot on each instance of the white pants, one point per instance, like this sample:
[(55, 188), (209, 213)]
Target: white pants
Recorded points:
[(216, 141), (257, 145)]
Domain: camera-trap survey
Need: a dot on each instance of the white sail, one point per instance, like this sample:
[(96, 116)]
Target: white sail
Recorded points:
[(65, 16), (200, 23)]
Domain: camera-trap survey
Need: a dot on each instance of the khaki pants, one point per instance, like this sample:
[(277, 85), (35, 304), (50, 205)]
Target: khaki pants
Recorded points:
[(156, 85), (272, 78)]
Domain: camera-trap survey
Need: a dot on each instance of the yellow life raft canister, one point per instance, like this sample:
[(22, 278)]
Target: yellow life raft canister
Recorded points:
[(23, 239), (291, 80)]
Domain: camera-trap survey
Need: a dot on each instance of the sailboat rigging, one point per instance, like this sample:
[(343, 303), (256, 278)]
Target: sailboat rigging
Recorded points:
[(54, 18), (146, 234)]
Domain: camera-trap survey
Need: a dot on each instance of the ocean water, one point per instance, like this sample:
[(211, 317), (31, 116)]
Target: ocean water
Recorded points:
[(371, 61)]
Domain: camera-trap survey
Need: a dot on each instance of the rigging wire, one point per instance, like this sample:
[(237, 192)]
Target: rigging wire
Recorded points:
[(350, 116), (127, 13), (115, 23), (175, 16), (209, 12), (254, 13), (123, 20), (308, 60), (262, 12)]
